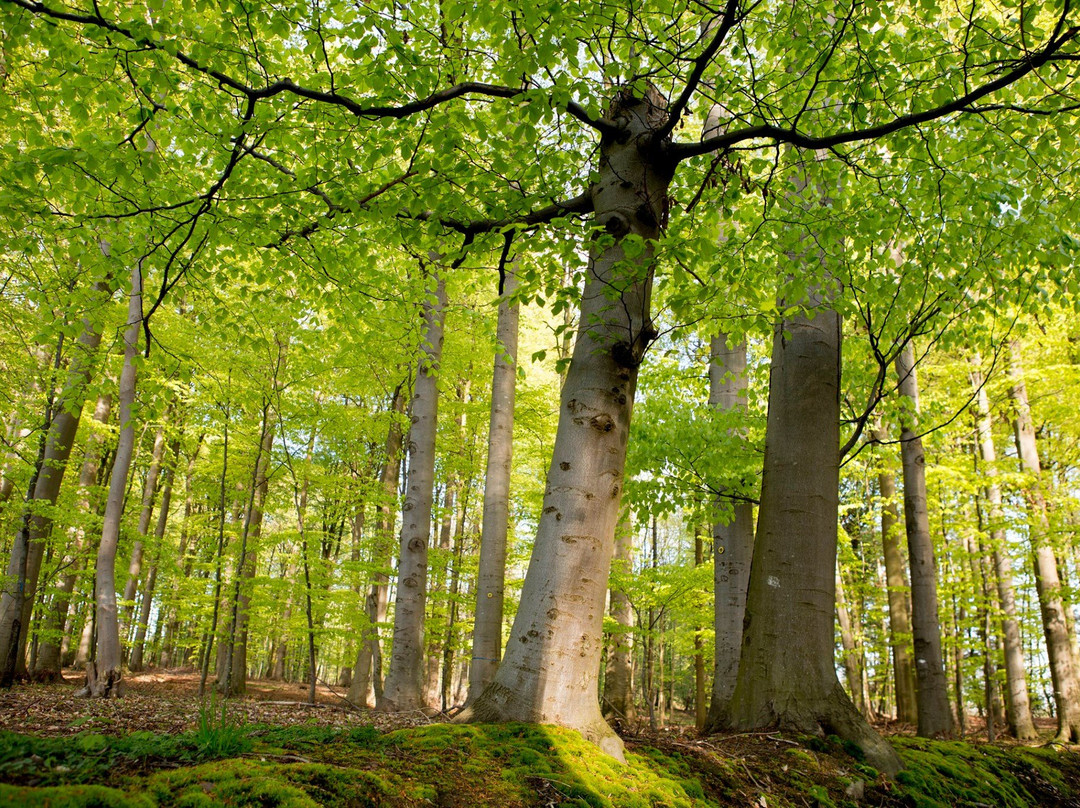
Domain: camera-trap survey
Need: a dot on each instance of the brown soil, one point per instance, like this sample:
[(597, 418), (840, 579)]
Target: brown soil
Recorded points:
[(168, 701)]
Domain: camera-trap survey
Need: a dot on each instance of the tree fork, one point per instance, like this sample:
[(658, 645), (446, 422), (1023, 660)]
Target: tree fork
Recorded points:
[(551, 665)]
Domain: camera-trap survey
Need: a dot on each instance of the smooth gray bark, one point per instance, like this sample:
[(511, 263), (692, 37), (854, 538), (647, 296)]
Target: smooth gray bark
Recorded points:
[(1017, 703), (103, 676), (402, 689), (787, 676), (234, 681), (907, 709), (61, 435), (184, 562), (49, 655), (853, 662), (490, 581), (368, 670), (1047, 582), (146, 513), (733, 540), (618, 702), (551, 665), (935, 719), (136, 661)]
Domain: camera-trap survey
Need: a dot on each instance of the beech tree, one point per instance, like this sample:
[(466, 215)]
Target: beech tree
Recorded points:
[(519, 117)]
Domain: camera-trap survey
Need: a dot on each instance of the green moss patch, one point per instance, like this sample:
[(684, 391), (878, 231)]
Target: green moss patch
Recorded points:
[(515, 766)]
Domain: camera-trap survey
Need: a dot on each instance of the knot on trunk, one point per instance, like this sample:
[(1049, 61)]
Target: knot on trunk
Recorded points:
[(629, 353)]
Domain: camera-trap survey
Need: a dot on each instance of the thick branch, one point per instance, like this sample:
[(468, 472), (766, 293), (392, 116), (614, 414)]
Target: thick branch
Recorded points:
[(682, 151)]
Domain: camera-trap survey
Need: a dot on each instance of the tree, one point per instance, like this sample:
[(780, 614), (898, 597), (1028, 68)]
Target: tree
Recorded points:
[(933, 700), (1017, 704), (402, 689), (1047, 579), (103, 674), (886, 80), (487, 626), (733, 540)]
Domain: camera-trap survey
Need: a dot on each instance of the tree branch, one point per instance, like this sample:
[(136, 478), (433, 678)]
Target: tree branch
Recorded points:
[(683, 151)]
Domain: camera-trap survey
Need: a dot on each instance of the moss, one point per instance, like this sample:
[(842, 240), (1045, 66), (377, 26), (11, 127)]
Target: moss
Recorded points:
[(820, 796), (944, 774), (801, 756), (517, 766), (79, 796)]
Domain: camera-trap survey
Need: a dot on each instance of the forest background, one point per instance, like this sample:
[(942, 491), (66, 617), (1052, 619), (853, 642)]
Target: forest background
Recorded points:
[(262, 263)]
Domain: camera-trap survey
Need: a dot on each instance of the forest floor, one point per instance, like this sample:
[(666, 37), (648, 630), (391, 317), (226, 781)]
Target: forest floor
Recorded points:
[(160, 746)]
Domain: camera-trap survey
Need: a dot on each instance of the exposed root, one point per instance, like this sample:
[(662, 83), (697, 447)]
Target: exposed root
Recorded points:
[(496, 705)]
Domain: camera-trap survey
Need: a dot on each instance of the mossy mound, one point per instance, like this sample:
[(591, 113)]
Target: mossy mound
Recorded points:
[(517, 766), (946, 774)]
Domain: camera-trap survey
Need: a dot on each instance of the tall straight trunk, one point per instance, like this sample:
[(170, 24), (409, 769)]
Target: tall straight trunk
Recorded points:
[(61, 435), (787, 676), (146, 513), (987, 637), (852, 658), (957, 615), (184, 562), (491, 575), (898, 590), (618, 676), (49, 660), (701, 707), (1017, 703), (235, 679), (453, 591), (435, 640), (301, 512), (933, 689), (551, 665), (19, 551), (103, 677), (402, 689), (1047, 582), (651, 693), (136, 662), (733, 539), (368, 671)]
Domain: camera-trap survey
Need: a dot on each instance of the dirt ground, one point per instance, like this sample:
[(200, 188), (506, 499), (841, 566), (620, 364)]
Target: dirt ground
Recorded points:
[(168, 701)]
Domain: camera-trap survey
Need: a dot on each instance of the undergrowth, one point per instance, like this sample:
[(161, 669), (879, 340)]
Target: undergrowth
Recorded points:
[(225, 762)]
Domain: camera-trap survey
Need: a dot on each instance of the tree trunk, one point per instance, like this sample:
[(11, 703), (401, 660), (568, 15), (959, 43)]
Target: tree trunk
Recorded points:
[(145, 514), (618, 676), (933, 691), (403, 687), (733, 540), (49, 662), (61, 435), (1017, 703), (852, 658), (1047, 583), (184, 561), (235, 679), (552, 661), (452, 630), (368, 671), (701, 707), (787, 677), (898, 590), (136, 663), (488, 622), (103, 677)]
